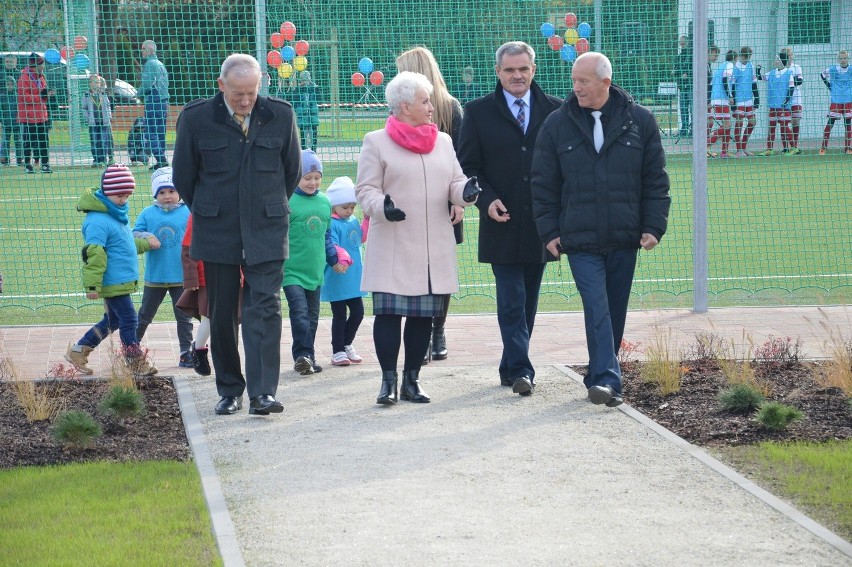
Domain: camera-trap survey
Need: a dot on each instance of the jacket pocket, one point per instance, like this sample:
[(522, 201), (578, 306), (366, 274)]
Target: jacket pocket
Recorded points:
[(214, 154), (268, 154), (277, 209), (203, 209)]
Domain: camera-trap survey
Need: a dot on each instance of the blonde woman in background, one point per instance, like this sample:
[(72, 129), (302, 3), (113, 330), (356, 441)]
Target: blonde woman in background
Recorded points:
[(447, 115)]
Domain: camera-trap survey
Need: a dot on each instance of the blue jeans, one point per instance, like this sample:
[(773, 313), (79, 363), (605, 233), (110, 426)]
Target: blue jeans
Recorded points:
[(156, 110), (152, 297), (304, 308), (120, 314), (11, 135), (101, 141), (518, 287), (604, 282)]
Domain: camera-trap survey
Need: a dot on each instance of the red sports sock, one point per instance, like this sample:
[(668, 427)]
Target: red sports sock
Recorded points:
[(795, 138), (770, 136), (826, 132), (746, 135), (726, 139)]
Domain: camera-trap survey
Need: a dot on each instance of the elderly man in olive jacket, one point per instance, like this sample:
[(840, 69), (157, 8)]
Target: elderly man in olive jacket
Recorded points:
[(236, 163)]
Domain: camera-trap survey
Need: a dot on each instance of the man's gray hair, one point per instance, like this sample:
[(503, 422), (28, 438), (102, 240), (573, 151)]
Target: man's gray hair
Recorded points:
[(603, 69), (149, 44), (239, 64), (514, 48), (403, 88)]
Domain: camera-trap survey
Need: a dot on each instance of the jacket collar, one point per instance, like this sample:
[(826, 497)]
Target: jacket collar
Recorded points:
[(621, 102), (260, 114), (540, 105)]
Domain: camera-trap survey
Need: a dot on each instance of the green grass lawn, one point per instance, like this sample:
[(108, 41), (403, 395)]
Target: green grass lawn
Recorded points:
[(149, 513), (778, 233)]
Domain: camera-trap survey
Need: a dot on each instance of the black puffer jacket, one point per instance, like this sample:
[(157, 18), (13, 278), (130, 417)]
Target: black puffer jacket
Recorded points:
[(599, 202)]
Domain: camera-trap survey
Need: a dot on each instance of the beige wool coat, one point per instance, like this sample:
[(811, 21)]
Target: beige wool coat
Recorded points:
[(415, 256)]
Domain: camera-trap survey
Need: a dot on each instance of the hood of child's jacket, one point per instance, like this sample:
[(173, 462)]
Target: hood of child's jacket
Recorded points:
[(88, 201)]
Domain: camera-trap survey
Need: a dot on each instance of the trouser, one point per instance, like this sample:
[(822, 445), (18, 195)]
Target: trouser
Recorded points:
[(387, 340), (518, 288), (343, 328), (11, 135), (304, 307), (121, 315), (308, 135), (100, 138), (152, 297), (156, 110), (36, 141)]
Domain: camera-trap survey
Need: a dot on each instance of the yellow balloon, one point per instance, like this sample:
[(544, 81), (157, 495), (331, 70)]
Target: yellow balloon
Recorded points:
[(285, 71), (300, 63), (571, 36)]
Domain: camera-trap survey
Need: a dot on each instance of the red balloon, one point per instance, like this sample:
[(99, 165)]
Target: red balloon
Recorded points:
[(571, 20), (277, 40), (273, 58), (288, 30), (555, 42), (358, 80), (81, 42), (66, 52), (582, 45), (302, 47), (376, 78)]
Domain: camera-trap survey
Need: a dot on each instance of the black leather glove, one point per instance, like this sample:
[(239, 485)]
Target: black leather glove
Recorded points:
[(391, 212), (471, 190)]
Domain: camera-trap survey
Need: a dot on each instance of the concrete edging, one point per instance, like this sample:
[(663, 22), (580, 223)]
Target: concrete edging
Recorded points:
[(768, 498)]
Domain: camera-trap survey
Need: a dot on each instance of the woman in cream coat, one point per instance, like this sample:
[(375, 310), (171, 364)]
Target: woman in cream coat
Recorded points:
[(406, 174)]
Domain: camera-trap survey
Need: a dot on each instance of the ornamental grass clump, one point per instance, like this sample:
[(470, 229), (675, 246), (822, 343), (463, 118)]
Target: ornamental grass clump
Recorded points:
[(662, 364), (37, 399), (838, 369), (75, 429), (122, 402), (740, 398), (777, 417)]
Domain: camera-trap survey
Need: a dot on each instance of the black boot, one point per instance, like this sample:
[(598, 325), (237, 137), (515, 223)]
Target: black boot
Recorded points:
[(411, 391), (439, 343), (427, 358), (388, 394)]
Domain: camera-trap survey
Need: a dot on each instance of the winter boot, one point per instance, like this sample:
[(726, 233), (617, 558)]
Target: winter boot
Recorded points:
[(410, 390), (79, 359), (140, 366), (388, 394), (439, 343)]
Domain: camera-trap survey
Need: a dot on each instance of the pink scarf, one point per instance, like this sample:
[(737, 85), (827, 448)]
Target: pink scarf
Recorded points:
[(418, 139)]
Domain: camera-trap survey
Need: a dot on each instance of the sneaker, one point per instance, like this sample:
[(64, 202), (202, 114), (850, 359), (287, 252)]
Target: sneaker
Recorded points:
[(822, 151), (186, 359), (848, 152), (95, 165), (767, 153), (79, 360), (725, 155), (304, 366), (140, 367), (46, 169), (202, 363), (747, 153), (340, 359), (740, 154), (29, 167), (352, 355), (712, 154), (794, 152), (317, 368)]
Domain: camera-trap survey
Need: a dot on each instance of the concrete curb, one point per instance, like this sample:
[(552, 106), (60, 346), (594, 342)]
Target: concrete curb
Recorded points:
[(781, 506), (223, 527)]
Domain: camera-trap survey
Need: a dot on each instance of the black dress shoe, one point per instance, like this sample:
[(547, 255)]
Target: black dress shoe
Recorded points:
[(523, 386), (265, 405), (615, 401), (601, 394), (229, 405)]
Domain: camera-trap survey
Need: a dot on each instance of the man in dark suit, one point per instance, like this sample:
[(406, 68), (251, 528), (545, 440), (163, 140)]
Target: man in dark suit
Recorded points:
[(236, 164), (496, 144)]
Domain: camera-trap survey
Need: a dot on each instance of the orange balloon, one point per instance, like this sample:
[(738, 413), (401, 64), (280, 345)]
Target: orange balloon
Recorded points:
[(555, 42), (377, 78), (582, 45), (81, 42), (288, 30), (277, 40), (358, 80), (302, 47), (273, 58)]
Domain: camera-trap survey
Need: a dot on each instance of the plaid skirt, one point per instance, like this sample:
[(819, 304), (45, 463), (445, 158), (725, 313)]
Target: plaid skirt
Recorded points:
[(428, 305)]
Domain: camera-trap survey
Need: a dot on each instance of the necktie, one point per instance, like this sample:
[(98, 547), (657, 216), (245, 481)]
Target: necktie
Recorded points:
[(522, 115), (241, 120), (597, 133)]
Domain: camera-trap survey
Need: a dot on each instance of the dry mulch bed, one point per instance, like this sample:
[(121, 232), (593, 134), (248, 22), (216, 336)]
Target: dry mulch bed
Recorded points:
[(158, 434)]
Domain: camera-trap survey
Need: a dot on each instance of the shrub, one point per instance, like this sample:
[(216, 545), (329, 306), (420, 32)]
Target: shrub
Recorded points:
[(76, 429), (707, 346), (779, 350), (777, 417), (122, 402), (662, 367), (627, 352), (740, 398)]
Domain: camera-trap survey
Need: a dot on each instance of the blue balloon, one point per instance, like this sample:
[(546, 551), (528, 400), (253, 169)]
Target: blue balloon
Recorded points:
[(287, 53), (52, 56), (81, 61), (365, 65), (547, 29), (568, 53), (584, 30)]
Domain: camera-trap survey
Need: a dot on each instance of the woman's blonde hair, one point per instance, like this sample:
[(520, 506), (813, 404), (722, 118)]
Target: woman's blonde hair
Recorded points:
[(420, 60)]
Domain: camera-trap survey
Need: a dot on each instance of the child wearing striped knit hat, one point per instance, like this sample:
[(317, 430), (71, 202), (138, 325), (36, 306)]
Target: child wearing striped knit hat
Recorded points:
[(111, 269)]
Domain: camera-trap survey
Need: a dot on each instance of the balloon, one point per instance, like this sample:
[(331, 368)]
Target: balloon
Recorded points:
[(365, 65), (571, 36), (288, 30), (81, 61), (81, 42), (585, 30), (568, 53), (555, 42), (547, 29), (570, 19), (273, 58), (582, 45), (358, 80), (52, 56), (66, 52), (277, 40), (287, 53), (285, 70), (376, 78), (302, 47), (300, 63)]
